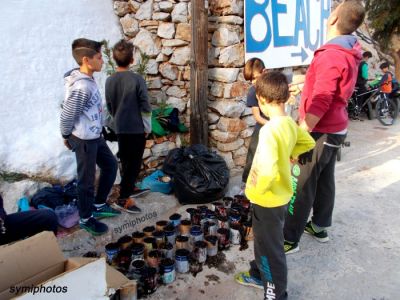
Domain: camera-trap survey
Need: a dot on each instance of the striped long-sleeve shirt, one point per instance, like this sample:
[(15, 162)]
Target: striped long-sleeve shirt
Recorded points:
[(82, 109)]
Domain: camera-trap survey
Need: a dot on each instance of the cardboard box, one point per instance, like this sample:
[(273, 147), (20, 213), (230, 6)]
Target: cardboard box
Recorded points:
[(35, 268)]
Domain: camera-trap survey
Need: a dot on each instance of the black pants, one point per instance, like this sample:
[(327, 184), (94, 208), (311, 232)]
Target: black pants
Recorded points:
[(270, 260), (251, 152), (90, 153), (24, 224), (131, 149), (315, 188)]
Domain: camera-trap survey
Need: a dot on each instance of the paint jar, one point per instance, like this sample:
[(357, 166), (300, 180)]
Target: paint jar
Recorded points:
[(137, 251), (189, 212), (184, 227), (159, 236), (138, 237), (223, 222), (195, 216), (212, 245), (227, 201), (149, 244), (111, 252), (238, 198), (195, 235), (211, 216), (148, 230), (234, 217), (153, 258), (223, 235), (210, 228), (175, 219), (124, 259), (248, 231), (215, 205), (161, 224), (170, 234), (182, 242), (125, 242), (149, 280), (235, 234), (167, 269), (182, 260), (136, 269), (200, 251), (168, 250)]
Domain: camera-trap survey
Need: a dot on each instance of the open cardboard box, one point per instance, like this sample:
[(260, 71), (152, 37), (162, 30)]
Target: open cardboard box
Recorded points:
[(38, 262)]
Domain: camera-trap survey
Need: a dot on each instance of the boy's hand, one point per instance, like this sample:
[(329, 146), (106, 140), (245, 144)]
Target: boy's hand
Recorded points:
[(305, 157), (67, 144)]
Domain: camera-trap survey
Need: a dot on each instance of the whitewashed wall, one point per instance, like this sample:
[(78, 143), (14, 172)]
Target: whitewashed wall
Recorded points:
[(35, 52)]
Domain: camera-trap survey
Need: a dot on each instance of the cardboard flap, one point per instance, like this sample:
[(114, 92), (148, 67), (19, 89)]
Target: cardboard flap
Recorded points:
[(114, 278), (25, 259)]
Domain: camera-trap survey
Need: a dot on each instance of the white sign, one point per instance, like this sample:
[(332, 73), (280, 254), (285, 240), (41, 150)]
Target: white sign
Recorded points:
[(285, 33)]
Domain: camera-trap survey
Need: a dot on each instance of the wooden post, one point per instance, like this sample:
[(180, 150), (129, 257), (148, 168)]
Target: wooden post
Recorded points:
[(199, 74)]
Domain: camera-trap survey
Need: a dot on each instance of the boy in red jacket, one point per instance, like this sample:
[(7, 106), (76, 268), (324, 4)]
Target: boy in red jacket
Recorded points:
[(330, 81)]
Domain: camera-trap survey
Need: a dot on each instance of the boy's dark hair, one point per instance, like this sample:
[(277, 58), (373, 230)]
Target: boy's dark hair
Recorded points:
[(350, 16), (384, 65), (367, 54), (273, 87), (84, 47), (123, 53), (253, 68)]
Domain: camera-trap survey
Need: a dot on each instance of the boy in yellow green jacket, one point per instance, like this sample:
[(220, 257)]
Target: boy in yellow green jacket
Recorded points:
[(269, 186)]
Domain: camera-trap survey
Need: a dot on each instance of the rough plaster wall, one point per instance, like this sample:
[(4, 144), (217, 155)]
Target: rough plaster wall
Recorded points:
[(35, 52)]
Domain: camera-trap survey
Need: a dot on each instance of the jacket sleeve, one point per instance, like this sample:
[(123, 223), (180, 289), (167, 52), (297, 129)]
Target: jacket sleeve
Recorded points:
[(264, 169), (304, 143), (144, 105), (72, 108), (108, 96), (327, 76), (364, 71)]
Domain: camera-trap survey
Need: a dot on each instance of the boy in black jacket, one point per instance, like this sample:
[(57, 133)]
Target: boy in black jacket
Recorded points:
[(128, 104)]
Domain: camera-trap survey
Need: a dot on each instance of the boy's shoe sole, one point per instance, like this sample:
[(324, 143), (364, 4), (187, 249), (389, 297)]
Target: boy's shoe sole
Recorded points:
[(291, 248), (132, 209), (321, 237), (244, 278)]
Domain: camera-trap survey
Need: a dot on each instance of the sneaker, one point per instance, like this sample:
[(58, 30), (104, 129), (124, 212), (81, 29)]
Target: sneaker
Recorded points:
[(105, 211), (139, 192), (128, 205), (321, 237), (290, 248), (93, 226), (244, 278)]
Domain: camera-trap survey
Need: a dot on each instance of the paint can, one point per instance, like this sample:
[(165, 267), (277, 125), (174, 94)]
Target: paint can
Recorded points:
[(195, 235), (182, 260), (184, 227), (149, 244), (212, 245), (159, 237), (125, 242), (136, 269), (148, 230), (168, 250), (138, 237), (223, 238), (223, 222), (124, 259), (215, 205), (170, 234), (195, 216), (149, 280), (111, 250), (137, 251), (200, 251), (227, 201), (248, 231), (234, 217), (182, 242), (175, 219), (161, 224), (167, 270), (154, 258), (210, 228), (235, 234)]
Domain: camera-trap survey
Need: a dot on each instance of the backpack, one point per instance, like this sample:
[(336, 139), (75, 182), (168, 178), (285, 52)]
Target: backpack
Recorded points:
[(395, 83)]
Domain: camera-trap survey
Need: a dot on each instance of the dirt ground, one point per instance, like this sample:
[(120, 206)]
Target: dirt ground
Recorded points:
[(362, 258)]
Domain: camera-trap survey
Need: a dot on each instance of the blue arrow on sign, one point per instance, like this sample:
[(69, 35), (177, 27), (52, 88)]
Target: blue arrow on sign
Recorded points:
[(302, 53)]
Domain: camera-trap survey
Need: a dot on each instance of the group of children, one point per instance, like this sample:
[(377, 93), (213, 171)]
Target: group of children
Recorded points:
[(82, 124)]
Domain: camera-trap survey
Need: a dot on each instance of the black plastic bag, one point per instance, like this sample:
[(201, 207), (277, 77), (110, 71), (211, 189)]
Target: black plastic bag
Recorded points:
[(201, 176)]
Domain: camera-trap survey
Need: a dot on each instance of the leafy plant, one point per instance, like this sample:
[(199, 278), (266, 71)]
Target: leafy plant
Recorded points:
[(111, 66)]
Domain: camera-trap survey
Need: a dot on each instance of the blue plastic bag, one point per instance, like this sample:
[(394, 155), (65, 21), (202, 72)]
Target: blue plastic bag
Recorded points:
[(157, 182)]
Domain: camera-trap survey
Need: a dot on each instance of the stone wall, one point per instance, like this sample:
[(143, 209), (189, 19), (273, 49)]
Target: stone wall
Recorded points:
[(162, 30)]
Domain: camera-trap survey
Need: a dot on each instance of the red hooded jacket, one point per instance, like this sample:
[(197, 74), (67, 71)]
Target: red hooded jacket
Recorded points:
[(330, 82)]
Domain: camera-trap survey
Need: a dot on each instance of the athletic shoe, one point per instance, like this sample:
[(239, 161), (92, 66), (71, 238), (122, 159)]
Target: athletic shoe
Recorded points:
[(321, 237), (93, 226), (290, 248), (105, 211), (244, 278), (139, 192), (128, 205)]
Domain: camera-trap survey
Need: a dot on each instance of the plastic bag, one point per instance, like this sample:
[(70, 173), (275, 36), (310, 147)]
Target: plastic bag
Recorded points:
[(201, 176), (67, 215), (157, 182)]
